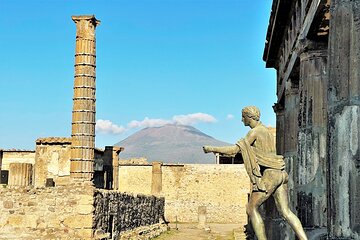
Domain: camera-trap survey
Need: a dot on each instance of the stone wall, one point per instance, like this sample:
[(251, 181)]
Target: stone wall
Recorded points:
[(16, 156), (62, 212), (135, 178), (117, 213), (222, 189), (343, 136), (52, 160)]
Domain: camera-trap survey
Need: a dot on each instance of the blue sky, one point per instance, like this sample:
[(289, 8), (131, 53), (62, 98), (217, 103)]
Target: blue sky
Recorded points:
[(195, 62)]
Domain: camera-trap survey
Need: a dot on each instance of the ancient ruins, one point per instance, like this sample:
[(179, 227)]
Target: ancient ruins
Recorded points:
[(68, 189)]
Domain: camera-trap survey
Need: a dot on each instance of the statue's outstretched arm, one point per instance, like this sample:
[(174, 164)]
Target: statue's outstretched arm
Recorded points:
[(229, 150)]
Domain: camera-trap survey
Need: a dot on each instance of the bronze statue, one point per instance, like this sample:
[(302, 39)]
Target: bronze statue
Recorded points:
[(266, 171)]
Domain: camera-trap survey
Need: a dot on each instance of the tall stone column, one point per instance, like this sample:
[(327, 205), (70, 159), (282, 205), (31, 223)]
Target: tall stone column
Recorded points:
[(291, 128), (343, 120), (83, 115), (287, 129), (291, 113), (280, 128), (311, 164)]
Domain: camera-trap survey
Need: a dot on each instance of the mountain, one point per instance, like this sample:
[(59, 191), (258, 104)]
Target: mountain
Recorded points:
[(171, 143)]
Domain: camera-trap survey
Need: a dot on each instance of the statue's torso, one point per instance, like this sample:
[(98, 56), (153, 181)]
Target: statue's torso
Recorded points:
[(264, 139)]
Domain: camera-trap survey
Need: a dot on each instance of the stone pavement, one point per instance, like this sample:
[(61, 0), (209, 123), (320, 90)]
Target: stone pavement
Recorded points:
[(189, 231)]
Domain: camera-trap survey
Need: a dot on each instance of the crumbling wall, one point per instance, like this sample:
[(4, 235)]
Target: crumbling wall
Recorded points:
[(117, 212), (16, 156), (63, 212), (221, 189), (52, 160)]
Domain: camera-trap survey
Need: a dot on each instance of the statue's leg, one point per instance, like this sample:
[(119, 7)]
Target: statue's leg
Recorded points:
[(271, 180), (256, 199), (282, 204)]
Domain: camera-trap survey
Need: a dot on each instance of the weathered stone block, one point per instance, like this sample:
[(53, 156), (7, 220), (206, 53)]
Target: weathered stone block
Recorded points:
[(8, 204), (85, 233), (53, 221), (78, 221), (85, 199), (30, 221), (41, 223), (15, 220), (84, 209), (62, 181), (23, 221), (31, 203)]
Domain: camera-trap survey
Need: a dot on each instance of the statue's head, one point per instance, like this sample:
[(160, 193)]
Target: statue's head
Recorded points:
[(250, 112)]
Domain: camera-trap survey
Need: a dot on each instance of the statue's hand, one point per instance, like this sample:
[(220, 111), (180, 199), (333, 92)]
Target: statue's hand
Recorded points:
[(207, 149)]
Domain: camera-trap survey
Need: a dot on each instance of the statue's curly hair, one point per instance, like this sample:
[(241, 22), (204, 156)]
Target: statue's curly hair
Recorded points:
[(251, 112)]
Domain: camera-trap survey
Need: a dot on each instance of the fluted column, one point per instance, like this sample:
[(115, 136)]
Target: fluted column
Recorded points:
[(83, 115), (311, 164), (20, 174)]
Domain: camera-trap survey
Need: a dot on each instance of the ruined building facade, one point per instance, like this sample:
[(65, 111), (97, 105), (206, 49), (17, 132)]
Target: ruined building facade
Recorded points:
[(66, 188), (314, 45)]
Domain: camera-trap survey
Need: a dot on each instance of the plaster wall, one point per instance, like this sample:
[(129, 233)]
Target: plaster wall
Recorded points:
[(52, 161)]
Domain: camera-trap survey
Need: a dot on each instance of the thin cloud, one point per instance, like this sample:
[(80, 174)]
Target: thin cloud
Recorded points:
[(193, 118), (108, 127), (148, 122), (189, 119), (229, 117)]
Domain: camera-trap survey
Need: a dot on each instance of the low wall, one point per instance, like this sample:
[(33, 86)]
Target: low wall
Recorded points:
[(117, 213), (63, 212), (221, 189)]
